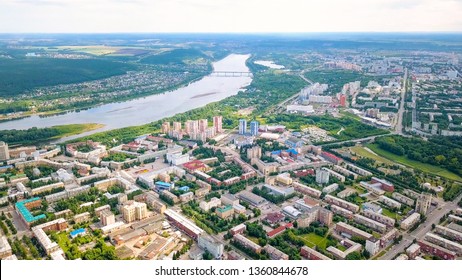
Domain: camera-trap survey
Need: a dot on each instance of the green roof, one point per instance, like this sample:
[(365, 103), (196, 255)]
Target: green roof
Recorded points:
[(21, 207), (224, 209)]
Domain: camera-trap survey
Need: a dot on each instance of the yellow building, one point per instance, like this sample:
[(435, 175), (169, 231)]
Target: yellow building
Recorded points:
[(133, 211), (225, 212)]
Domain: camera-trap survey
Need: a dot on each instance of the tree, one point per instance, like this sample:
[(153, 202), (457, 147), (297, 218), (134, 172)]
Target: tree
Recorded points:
[(353, 256), (262, 241), (207, 255), (440, 158)]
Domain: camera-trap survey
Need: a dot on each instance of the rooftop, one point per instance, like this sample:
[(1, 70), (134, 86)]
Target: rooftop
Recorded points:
[(274, 217), (76, 232), (225, 208), (164, 184), (195, 164), (21, 207)]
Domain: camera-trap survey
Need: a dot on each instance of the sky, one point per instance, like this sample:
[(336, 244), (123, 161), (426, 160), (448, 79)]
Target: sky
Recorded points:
[(223, 16)]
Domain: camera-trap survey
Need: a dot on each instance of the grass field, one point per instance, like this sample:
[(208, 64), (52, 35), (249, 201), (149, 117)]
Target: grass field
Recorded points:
[(93, 50), (390, 214), (312, 240), (254, 239), (438, 171), (359, 189), (72, 129), (360, 151)]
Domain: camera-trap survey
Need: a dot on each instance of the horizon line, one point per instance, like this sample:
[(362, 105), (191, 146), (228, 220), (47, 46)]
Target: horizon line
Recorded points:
[(243, 32)]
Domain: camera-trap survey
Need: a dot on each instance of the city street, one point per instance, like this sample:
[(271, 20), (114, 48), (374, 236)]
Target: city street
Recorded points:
[(419, 233)]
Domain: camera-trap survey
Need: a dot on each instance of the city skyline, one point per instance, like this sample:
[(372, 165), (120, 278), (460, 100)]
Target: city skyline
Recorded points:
[(108, 16)]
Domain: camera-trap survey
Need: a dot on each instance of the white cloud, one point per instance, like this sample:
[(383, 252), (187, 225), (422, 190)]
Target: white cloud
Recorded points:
[(229, 15)]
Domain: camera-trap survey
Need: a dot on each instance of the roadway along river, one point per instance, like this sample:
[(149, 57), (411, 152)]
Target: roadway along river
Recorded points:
[(151, 108)]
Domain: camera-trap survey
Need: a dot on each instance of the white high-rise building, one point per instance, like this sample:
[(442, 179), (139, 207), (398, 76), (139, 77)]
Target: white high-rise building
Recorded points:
[(4, 151), (254, 128), (192, 127), (203, 124), (218, 124), (322, 176), (242, 126)]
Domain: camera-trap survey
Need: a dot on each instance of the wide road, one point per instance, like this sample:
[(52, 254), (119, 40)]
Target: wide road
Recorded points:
[(399, 123), (369, 138), (432, 218)]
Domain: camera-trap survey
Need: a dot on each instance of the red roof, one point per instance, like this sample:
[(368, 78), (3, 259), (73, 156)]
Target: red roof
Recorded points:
[(274, 217), (193, 165), (332, 156), (279, 230)]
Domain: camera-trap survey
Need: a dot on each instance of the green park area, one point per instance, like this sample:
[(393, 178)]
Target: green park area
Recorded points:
[(362, 152), (312, 239), (425, 167), (37, 135)]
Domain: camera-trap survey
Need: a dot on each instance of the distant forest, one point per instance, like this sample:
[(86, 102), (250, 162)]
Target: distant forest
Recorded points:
[(19, 75)]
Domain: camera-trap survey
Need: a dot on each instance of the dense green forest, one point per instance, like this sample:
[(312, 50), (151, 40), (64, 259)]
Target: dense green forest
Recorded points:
[(445, 152), (19, 75), (337, 78), (36, 135), (30, 135)]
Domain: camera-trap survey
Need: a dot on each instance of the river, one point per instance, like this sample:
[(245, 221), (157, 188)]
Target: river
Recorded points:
[(151, 108)]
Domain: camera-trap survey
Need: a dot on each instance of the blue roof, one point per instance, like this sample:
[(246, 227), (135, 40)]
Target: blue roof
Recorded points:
[(292, 151), (21, 207), (185, 188), (6, 167), (164, 184), (77, 231), (276, 152)]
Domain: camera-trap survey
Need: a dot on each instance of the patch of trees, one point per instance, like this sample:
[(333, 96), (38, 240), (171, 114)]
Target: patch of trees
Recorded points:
[(256, 230), (166, 199), (20, 75), (203, 152), (445, 152), (118, 157), (209, 221), (31, 135), (101, 251)]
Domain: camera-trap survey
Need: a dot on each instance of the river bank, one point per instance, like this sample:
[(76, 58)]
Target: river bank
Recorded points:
[(150, 108)]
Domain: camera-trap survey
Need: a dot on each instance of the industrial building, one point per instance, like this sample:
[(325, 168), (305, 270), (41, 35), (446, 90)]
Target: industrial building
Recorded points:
[(251, 198), (183, 224)]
